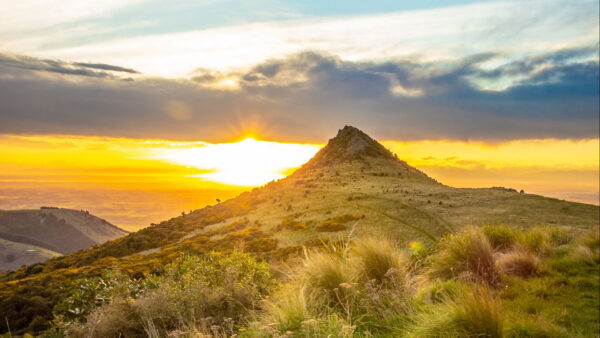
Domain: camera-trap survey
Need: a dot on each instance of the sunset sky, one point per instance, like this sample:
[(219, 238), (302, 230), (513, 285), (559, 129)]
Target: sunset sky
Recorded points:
[(139, 109)]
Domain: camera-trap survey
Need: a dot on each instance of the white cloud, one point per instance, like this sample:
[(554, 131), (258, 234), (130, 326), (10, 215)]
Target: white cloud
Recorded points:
[(516, 28), (26, 15)]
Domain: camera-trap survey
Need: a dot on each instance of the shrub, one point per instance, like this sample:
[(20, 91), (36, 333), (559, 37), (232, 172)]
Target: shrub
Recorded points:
[(467, 255), (89, 293), (519, 263), (475, 314), (336, 223), (234, 226), (197, 294), (331, 226), (500, 237), (289, 223)]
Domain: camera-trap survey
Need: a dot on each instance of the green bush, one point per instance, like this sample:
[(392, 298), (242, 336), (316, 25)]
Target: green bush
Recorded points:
[(88, 293), (196, 294)]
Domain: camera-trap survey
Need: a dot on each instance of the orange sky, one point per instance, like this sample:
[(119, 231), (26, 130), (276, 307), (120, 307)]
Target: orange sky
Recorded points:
[(77, 171)]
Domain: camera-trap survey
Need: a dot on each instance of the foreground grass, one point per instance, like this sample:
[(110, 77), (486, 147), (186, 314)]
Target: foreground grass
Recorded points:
[(480, 282), (491, 282)]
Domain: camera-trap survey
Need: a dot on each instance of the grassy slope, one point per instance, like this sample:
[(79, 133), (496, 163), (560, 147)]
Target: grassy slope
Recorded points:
[(14, 254), (405, 208)]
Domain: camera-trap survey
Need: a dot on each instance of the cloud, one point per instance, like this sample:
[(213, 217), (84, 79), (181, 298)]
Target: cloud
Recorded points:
[(515, 28), (309, 95), (106, 67), (56, 66)]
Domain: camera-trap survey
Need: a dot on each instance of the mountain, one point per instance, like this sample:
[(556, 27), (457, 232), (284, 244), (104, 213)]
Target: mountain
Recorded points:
[(31, 236), (353, 185)]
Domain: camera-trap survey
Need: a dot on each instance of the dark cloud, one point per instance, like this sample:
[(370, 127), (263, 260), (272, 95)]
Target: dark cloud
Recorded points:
[(309, 95), (104, 66), (61, 67)]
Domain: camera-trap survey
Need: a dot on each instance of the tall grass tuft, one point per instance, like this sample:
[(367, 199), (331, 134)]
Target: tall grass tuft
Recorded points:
[(379, 259), (325, 272), (501, 237), (537, 240), (518, 262), (474, 314), (290, 310), (467, 255)]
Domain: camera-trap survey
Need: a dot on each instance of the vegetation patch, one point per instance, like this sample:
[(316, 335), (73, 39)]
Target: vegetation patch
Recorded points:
[(290, 223), (337, 223), (467, 255)]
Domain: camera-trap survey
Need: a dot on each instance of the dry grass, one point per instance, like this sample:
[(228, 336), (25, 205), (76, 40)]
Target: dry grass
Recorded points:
[(467, 255), (520, 263)]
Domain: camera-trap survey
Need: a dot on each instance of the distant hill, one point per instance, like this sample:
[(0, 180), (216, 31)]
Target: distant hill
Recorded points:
[(31, 236), (352, 185)]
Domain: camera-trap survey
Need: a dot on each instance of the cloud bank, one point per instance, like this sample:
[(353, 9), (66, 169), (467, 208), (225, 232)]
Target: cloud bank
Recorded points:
[(307, 96)]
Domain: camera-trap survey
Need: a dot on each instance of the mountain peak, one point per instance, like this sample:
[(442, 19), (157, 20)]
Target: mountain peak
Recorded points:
[(349, 144)]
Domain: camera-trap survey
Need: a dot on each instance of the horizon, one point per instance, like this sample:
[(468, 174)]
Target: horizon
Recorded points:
[(166, 106), (177, 176)]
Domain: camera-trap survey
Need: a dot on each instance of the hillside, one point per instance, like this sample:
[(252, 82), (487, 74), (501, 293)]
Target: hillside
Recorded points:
[(353, 185), (30, 236)]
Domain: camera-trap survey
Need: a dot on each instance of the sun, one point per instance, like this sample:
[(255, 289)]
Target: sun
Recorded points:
[(246, 163)]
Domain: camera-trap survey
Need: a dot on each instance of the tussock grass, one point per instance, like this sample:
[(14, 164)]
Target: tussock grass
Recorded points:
[(501, 237), (467, 255), (325, 272), (379, 259), (537, 240), (474, 314), (290, 310), (363, 288), (520, 263)]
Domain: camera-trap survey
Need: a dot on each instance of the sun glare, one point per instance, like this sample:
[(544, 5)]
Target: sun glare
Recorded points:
[(246, 163)]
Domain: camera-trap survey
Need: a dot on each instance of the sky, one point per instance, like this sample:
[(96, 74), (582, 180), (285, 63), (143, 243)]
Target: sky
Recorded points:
[(151, 93)]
